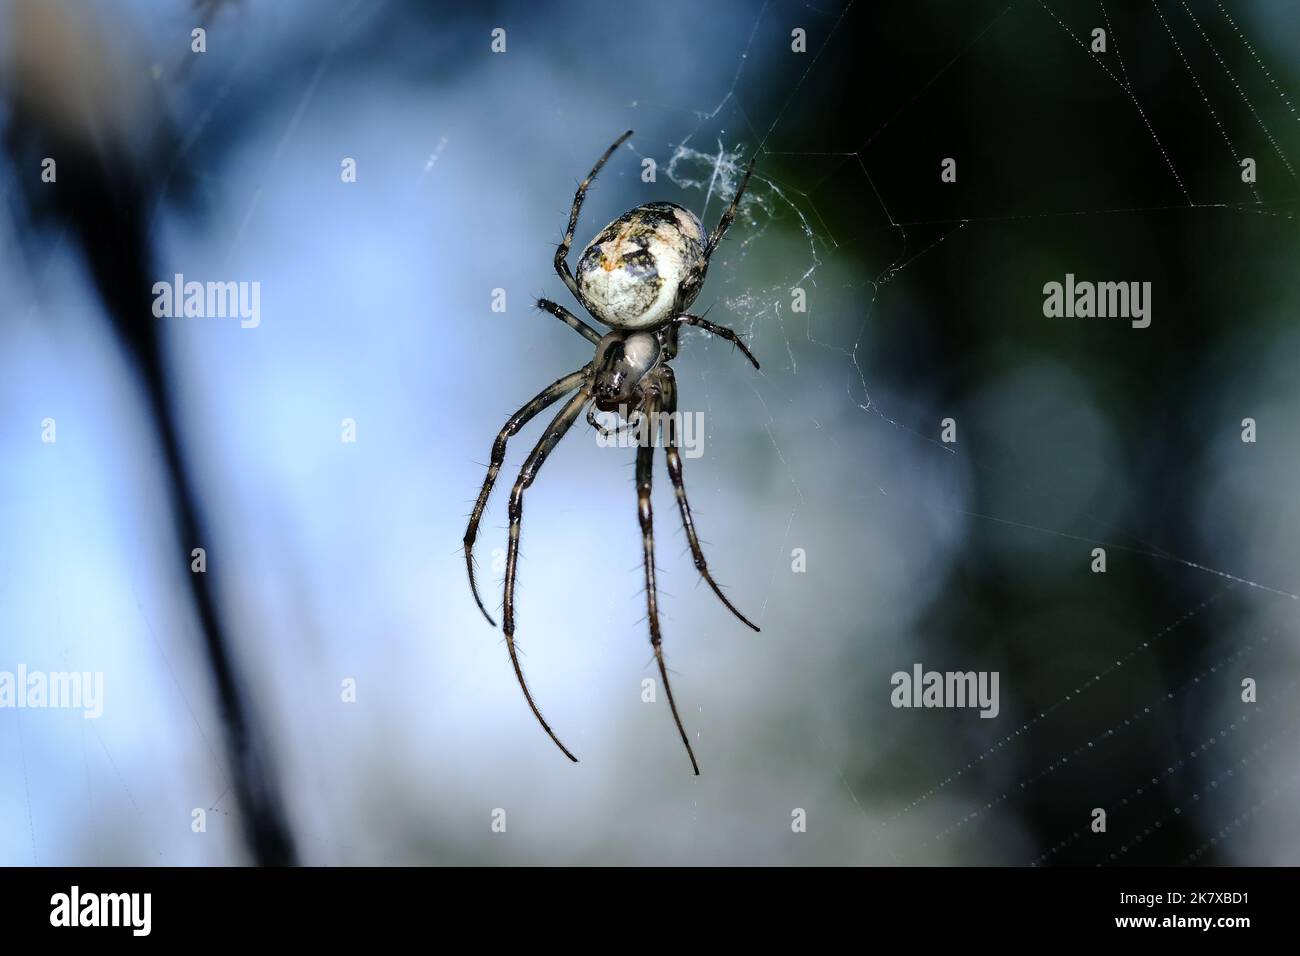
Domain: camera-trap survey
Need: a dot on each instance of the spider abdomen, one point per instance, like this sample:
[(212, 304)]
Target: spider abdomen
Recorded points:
[(631, 274)]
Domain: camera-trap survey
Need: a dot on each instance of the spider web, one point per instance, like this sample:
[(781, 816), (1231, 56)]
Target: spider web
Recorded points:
[(824, 397), (1230, 776)]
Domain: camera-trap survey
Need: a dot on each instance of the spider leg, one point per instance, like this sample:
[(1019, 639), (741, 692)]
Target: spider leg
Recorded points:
[(721, 331), (571, 320), (725, 222), (644, 467), (536, 458), (548, 396), (679, 485), (562, 253)]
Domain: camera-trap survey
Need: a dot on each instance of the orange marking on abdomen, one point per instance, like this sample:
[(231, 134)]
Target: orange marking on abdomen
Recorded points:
[(610, 262)]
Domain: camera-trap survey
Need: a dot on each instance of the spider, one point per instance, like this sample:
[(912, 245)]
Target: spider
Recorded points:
[(638, 276)]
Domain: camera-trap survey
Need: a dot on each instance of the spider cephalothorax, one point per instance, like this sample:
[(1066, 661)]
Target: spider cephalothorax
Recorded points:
[(638, 276), (623, 360)]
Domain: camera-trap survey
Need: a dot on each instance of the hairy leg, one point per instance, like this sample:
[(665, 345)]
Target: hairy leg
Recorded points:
[(644, 468), (721, 331), (729, 216), (548, 396), (536, 458), (571, 320), (562, 253), (684, 506)]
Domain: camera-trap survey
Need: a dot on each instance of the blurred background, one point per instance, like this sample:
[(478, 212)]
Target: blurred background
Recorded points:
[(838, 519)]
